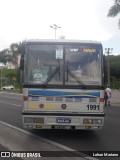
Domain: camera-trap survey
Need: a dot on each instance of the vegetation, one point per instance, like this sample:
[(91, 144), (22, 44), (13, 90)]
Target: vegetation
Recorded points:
[(11, 54), (114, 70), (115, 66), (11, 74), (11, 77), (115, 10), (5, 56)]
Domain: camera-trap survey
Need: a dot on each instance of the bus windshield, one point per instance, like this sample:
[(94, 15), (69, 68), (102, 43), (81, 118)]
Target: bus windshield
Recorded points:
[(67, 64)]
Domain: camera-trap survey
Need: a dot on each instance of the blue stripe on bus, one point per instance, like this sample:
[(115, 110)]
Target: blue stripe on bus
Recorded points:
[(45, 93)]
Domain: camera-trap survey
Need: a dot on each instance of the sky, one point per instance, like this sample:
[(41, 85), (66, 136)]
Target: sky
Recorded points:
[(78, 19)]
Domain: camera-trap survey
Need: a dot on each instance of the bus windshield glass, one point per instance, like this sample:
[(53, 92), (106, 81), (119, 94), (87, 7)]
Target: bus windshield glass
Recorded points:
[(63, 64)]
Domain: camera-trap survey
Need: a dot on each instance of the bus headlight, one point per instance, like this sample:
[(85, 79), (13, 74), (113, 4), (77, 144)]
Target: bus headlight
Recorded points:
[(97, 121), (92, 121), (87, 121), (34, 120), (28, 120)]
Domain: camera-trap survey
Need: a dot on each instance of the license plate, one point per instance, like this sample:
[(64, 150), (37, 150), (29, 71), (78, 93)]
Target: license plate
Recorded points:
[(62, 127), (63, 120)]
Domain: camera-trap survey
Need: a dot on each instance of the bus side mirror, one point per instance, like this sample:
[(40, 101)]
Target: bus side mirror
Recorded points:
[(22, 63)]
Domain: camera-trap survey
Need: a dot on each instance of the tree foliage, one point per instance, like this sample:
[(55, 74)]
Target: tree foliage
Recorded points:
[(15, 52), (5, 56), (12, 53), (115, 10), (115, 66)]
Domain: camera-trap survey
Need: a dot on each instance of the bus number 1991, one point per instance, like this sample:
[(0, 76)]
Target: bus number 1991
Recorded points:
[(93, 107)]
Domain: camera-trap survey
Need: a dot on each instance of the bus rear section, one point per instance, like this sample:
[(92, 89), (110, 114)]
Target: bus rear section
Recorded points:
[(63, 109), (63, 85)]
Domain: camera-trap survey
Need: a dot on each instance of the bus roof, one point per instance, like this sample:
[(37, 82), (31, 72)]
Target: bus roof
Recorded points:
[(33, 41)]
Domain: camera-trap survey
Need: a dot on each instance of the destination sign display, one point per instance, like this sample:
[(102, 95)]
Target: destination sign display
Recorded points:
[(89, 50), (84, 50)]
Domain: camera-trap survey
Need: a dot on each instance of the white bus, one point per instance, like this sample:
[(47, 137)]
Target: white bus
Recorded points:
[(63, 85)]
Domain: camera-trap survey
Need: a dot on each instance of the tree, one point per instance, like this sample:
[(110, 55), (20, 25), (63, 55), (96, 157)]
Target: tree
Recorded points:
[(21, 47), (115, 66), (15, 53), (22, 52), (5, 56), (17, 49), (115, 10)]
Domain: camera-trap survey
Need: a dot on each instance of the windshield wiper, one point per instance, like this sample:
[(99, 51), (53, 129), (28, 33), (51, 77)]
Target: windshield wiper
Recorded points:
[(77, 79), (51, 76)]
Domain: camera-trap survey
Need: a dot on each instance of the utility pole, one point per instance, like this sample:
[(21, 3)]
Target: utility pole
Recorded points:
[(55, 27), (108, 51)]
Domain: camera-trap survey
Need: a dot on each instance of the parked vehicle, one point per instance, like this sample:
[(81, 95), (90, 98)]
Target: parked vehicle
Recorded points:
[(7, 87)]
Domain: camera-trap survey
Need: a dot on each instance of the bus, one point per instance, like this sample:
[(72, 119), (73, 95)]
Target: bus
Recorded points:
[(63, 85)]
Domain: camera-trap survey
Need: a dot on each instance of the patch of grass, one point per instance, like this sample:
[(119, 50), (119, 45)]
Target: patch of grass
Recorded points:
[(17, 91)]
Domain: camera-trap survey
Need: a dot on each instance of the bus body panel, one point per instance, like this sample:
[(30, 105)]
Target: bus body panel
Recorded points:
[(63, 109)]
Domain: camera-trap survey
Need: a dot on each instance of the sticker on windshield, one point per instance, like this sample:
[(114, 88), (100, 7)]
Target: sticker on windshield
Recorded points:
[(59, 53)]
